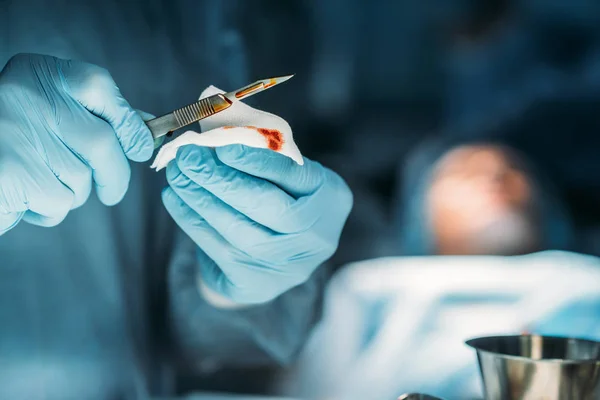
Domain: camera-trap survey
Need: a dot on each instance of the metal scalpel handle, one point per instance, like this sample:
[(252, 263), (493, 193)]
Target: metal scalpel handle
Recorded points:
[(203, 108), (187, 115)]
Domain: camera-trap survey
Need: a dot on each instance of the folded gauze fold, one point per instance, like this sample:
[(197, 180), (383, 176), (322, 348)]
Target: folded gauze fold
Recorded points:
[(239, 124)]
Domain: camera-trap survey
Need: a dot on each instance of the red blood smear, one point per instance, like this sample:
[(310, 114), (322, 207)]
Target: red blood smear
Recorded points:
[(273, 136)]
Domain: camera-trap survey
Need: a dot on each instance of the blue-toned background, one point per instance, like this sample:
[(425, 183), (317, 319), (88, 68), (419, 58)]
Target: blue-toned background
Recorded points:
[(383, 88)]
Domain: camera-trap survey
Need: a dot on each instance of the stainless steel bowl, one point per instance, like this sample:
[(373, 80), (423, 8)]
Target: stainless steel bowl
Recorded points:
[(529, 367)]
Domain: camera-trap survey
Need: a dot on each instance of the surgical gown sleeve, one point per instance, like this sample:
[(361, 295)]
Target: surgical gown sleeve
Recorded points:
[(264, 335)]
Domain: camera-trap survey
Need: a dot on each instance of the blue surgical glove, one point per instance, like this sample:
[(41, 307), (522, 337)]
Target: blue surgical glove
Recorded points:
[(262, 223), (63, 126)]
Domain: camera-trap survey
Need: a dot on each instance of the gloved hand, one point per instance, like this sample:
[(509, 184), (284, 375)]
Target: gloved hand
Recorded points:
[(63, 124), (262, 222)]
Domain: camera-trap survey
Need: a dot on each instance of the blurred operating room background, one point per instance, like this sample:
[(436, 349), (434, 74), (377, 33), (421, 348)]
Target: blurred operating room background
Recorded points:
[(463, 127), (385, 88)]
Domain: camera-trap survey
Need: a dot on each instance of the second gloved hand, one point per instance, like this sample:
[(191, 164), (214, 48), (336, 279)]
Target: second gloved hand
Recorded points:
[(262, 222)]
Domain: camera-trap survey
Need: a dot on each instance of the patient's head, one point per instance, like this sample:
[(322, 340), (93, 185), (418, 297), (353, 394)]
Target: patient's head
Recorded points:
[(481, 201)]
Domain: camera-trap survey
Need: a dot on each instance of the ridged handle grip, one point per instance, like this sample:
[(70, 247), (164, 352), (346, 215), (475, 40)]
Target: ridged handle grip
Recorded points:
[(194, 112), (187, 115)]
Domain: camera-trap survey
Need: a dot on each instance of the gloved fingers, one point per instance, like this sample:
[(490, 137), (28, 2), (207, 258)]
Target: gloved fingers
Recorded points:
[(94, 88), (233, 226), (200, 231), (217, 280), (79, 181), (146, 116), (297, 180), (9, 221), (255, 248), (42, 220), (224, 268), (100, 149), (28, 187), (49, 205), (259, 200), (45, 200), (213, 277), (69, 169)]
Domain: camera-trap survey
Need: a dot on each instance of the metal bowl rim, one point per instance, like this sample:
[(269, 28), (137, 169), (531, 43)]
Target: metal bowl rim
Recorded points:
[(469, 343)]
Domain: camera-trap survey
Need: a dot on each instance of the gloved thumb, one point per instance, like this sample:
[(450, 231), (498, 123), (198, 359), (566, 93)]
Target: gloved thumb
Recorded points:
[(147, 117), (94, 88)]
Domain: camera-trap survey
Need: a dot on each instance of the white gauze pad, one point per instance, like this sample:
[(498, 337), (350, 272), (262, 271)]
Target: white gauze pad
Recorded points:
[(239, 124)]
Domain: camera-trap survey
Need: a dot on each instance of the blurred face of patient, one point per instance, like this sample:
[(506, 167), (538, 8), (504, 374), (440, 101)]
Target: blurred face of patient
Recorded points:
[(479, 202)]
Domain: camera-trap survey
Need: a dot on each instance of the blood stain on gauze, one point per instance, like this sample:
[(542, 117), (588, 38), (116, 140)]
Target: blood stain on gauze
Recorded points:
[(239, 124), (273, 137)]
